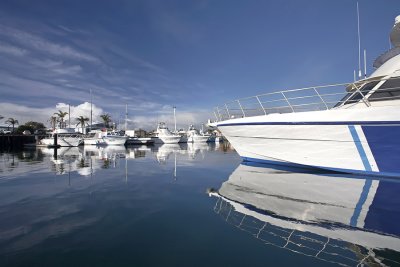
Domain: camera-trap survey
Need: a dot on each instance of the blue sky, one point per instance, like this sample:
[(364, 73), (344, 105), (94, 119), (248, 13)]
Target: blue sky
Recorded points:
[(154, 54)]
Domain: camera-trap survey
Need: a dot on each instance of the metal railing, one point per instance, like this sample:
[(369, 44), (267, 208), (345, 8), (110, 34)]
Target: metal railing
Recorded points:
[(307, 99)]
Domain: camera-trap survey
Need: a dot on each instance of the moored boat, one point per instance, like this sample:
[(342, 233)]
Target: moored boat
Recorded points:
[(194, 136), (66, 137), (355, 131), (165, 136)]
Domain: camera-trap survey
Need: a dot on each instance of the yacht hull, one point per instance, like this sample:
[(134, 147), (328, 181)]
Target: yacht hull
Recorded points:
[(354, 141), (169, 139), (62, 141), (94, 141), (115, 140), (198, 139)]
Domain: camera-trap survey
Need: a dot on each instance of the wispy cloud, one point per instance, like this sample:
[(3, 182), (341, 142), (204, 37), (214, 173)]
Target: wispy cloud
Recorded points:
[(35, 42), (11, 50)]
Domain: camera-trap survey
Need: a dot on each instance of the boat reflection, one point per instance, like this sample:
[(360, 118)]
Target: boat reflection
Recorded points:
[(342, 219)]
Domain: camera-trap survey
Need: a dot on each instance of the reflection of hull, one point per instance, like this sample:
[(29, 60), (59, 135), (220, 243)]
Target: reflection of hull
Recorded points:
[(321, 208), (62, 141), (140, 141), (94, 141), (198, 139), (184, 139)]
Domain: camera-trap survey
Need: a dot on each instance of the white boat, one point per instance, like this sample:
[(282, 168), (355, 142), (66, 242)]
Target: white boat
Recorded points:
[(193, 136), (165, 136), (114, 139), (66, 137), (352, 131), (341, 218), (95, 138)]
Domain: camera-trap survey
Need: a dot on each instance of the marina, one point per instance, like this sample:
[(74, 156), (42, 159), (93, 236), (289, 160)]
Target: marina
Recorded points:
[(115, 149)]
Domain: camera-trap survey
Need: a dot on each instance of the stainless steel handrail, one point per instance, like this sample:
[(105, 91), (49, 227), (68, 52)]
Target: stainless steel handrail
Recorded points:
[(297, 98)]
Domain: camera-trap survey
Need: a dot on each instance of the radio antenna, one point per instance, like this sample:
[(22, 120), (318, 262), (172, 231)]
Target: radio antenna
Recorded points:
[(365, 63), (359, 42)]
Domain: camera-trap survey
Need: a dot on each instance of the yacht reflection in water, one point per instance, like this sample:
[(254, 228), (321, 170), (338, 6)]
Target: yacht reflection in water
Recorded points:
[(343, 219)]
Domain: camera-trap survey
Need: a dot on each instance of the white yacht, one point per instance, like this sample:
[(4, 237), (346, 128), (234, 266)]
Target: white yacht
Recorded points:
[(354, 130), (340, 218), (165, 136), (94, 138), (114, 139), (194, 136), (66, 137)]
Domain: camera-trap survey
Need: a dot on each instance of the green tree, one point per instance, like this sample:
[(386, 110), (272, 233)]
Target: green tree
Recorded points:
[(23, 128), (35, 125), (12, 121), (60, 114), (31, 126), (106, 119), (82, 121)]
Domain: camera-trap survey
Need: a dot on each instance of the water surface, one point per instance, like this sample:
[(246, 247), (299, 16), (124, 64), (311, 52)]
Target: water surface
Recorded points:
[(188, 205)]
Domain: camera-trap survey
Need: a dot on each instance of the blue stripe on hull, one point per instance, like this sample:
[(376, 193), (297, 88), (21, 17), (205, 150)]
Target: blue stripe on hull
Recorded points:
[(384, 142), (360, 148), (311, 123)]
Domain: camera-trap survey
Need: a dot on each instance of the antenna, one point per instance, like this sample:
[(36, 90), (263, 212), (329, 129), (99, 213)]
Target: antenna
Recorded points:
[(359, 42), (355, 77), (365, 63)]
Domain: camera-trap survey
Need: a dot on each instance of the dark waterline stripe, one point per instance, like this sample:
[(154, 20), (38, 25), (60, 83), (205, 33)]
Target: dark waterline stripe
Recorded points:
[(313, 123)]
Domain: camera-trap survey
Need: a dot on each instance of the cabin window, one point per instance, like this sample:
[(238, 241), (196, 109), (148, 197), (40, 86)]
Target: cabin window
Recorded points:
[(388, 91), (354, 97)]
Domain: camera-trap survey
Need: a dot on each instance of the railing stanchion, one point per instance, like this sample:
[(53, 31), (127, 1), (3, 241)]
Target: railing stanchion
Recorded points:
[(219, 114), (265, 113), (216, 117), (227, 111), (287, 101), (244, 115), (366, 102), (321, 98)]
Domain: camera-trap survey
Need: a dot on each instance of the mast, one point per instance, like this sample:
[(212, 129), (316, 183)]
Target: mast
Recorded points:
[(126, 117), (91, 110), (175, 118), (69, 116), (359, 42)]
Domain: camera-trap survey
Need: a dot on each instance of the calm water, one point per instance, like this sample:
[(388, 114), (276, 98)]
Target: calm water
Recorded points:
[(193, 205)]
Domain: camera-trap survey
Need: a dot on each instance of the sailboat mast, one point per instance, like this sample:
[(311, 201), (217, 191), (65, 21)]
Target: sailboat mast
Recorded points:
[(175, 118), (126, 117), (359, 42), (91, 110)]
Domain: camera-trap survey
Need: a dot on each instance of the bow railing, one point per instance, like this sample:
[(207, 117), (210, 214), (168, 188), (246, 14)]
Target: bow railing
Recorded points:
[(309, 99)]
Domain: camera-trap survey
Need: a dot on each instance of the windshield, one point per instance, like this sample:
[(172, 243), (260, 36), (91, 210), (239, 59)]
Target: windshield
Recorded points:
[(388, 91), (354, 97)]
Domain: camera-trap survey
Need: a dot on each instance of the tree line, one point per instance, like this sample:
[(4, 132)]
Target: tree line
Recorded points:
[(58, 119)]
